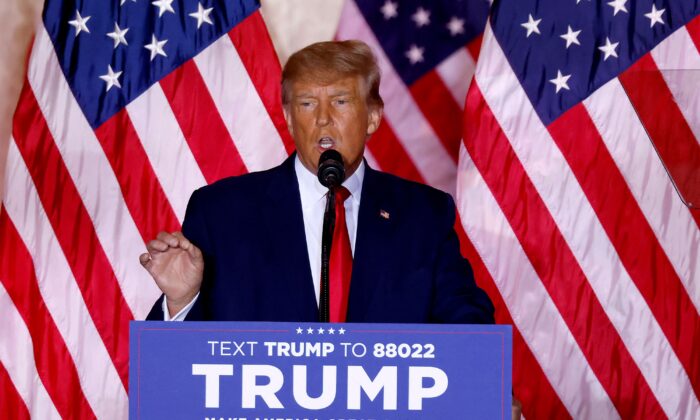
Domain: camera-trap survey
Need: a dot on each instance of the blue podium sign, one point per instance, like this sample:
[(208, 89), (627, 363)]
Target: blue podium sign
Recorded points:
[(265, 371)]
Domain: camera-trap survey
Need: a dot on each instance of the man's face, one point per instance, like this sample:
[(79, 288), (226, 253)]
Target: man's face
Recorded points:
[(331, 116)]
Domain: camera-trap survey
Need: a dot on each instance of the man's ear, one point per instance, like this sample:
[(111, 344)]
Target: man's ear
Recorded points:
[(287, 118), (374, 118)]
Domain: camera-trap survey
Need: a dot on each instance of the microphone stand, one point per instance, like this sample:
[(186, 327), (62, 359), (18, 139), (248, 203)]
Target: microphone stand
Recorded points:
[(331, 174), (326, 242)]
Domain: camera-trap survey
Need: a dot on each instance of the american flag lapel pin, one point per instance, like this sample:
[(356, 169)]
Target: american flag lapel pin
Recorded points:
[(384, 214)]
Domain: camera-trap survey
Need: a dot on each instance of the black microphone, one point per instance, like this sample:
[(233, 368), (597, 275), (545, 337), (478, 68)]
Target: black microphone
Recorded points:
[(331, 172)]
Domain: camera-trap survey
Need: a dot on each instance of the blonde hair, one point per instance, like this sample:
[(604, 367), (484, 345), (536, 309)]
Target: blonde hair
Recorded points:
[(326, 62)]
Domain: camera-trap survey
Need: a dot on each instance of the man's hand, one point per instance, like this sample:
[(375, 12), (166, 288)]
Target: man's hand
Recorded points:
[(516, 409), (177, 266)]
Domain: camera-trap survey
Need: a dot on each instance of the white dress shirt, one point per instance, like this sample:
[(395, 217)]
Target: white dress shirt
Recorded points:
[(313, 205)]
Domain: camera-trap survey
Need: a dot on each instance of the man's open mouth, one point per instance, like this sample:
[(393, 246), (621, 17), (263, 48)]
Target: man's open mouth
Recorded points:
[(326, 142)]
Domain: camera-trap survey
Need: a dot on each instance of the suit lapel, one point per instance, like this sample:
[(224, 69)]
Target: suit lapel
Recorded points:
[(373, 244), (285, 225)]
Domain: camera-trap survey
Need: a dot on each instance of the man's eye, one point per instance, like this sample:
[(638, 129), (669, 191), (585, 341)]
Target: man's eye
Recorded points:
[(341, 101)]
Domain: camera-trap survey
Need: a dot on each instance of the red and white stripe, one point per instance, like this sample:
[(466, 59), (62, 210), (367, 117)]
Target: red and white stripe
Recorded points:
[(679, 61), (17, 359), (168, 152), (417, 139), (534, 312), (456, 72), (74, 219), (644, 173), (58, 290), (580, 216), (214, 63), (89, 172)]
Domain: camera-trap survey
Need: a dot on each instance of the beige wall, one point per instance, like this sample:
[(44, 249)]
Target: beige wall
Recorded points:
[(292, 25), (17, 21)]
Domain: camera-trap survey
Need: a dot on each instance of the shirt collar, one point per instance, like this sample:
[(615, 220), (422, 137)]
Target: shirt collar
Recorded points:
[(311, 188)]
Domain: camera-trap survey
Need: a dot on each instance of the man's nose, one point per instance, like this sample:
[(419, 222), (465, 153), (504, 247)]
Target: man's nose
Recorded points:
[(323, 116)]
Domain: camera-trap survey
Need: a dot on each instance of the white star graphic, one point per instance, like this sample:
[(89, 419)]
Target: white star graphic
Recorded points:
[(331, 330), (111, 78), (618, 6), (309, 330), (421, 17), (609, 49), (341, 331), (415, 54), (202, 15), (118, 35), (163, 6), (156, 47), (121, 2), (579, 1), (531, 25), (299, 330), (655, 16), (390, 9), (560, 81), (456, 26), (321, 330), (571, 37), (79, 23)]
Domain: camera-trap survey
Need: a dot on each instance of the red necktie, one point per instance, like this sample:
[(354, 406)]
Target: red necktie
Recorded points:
[(340, 261)]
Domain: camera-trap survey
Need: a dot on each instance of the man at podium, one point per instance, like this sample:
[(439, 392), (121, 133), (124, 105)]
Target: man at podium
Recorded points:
[(250, 247)]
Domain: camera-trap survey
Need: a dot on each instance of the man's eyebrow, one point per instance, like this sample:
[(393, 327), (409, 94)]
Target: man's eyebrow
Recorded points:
[(342, 93), (306, 95)]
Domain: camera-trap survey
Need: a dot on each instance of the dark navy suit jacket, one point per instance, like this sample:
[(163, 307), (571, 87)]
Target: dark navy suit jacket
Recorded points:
[(407, 268)]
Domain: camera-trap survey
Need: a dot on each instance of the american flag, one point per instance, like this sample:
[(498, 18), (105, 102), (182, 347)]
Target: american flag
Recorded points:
[(577, 183), (427, 52), (128, 106), (578, 187)]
